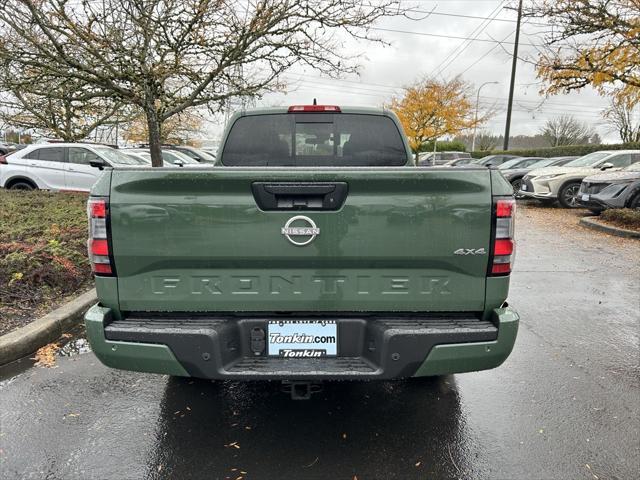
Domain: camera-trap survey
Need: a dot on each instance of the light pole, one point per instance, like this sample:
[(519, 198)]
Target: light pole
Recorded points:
[(475, 120)]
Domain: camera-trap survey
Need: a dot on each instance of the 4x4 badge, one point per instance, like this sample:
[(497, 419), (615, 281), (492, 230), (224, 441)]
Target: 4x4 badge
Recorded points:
[(309, 230), (470, 251)]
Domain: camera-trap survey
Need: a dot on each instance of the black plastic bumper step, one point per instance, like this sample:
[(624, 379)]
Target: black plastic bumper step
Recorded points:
[(374, 347)]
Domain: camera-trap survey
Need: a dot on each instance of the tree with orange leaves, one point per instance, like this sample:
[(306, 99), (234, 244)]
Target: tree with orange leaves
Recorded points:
[(590, 42), (431, 109)]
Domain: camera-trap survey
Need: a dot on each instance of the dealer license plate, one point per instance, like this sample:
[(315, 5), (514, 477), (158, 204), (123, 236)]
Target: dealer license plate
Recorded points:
[(302, 338), (585, 198)]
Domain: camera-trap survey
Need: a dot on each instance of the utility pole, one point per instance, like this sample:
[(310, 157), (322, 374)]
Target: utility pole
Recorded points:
[(513, 78)]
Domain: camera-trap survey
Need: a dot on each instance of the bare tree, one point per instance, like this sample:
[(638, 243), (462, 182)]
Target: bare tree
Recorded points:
[(66, 110), (165, 56), (566, 130), (625, 118), (179, 129), (486, 141)]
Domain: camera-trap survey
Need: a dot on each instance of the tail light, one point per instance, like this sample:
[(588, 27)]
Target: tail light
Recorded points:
[(503, 250), (314, 108), (3, 160), (98, 243)]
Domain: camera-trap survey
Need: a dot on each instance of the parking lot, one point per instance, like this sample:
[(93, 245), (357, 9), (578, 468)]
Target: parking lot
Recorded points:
[(564, 405)]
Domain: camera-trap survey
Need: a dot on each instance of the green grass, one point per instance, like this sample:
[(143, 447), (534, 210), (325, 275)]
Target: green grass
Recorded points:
[(623, 217), (43, 255)]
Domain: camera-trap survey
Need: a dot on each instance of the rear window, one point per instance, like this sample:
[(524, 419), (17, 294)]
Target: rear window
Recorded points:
[(314, 139)]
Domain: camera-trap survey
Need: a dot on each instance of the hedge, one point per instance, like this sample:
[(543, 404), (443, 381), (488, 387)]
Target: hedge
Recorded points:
[(568, 150), (453, 146)]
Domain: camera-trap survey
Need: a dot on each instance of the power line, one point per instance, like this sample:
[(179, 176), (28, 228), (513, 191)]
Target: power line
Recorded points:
[(472, 17), (308, 86), (451, 37), (386, 89), (465, 44), (478, 60)]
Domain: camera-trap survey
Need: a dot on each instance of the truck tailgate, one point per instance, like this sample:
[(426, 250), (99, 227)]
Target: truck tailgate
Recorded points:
[(196, 240)]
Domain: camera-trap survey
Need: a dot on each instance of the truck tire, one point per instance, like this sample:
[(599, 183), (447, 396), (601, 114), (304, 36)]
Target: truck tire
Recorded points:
[(568, 195), (22, 185)]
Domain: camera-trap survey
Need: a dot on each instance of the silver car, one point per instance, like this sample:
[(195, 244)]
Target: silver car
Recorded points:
[(563, 183)]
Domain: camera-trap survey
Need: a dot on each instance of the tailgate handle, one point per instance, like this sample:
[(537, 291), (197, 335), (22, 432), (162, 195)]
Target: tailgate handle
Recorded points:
[(299, 195)]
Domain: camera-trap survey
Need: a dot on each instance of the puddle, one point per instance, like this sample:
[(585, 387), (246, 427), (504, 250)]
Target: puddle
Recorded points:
[(74, 342)]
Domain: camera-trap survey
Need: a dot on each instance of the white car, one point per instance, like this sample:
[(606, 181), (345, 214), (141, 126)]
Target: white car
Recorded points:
[(563, 183), (59, 166)]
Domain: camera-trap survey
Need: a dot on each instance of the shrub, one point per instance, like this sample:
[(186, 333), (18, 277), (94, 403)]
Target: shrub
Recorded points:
[(454, 146), (622, 217), (569, 150)]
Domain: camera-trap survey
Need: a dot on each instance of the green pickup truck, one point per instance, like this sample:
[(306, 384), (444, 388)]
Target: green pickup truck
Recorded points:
[(314, 250)]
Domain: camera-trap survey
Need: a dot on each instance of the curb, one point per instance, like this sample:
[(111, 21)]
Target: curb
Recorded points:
[(620, 232), (28, 339)]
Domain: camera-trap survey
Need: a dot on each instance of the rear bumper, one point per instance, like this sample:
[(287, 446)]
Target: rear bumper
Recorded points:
[(373, 348)]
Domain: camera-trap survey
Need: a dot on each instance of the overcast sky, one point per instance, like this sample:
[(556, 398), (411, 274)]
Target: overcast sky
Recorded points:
[(411, 56)]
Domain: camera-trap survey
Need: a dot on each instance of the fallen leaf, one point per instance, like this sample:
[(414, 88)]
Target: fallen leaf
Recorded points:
[(46, 356)]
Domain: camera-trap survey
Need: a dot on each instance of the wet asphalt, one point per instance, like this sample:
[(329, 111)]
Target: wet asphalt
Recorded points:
[(566, 404)]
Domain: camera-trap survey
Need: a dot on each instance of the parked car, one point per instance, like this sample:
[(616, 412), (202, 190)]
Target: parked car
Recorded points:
[(426, 159), (520, 169), (213, 151), (494, 160), (458, 162), (197, 154), (560, 161), (519, 162), (619, 189), (59, 166), (563, 183), (170, 157), (230, 277), (5, 148), (142, 155)]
